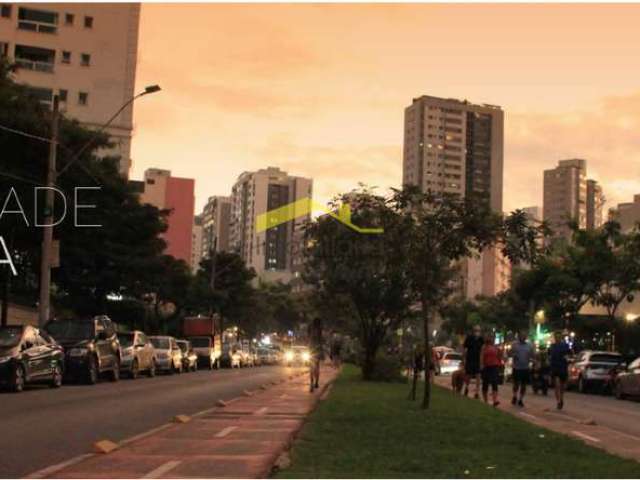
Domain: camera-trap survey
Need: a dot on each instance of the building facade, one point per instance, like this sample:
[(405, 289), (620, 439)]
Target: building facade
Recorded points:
[(627, 214), (196, 243), (455, 146), (176, 195), (216, 218), (570, 197), (85, 53), (275, 254), (595, 204)]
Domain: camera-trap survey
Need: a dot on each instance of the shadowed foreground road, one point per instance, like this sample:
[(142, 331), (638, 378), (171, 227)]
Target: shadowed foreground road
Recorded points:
[(41, 427)]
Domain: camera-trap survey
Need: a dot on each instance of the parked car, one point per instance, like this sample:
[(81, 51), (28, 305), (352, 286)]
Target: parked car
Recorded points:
[(592, 368), (91, 347), (206, 352), (137, 354), (264, 356), (627, 381), (231, 356), (168, 354), (298, 355), (449, 362), (189, 357), (29, 355)]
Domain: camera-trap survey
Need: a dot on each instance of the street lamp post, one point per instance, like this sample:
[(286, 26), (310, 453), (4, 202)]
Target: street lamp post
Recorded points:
[(52, 175)]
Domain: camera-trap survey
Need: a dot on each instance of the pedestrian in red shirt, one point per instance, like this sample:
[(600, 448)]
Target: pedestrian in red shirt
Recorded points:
[(490, 361)]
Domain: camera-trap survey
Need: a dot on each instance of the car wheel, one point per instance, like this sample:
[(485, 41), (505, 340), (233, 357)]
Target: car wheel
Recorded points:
[(135, 369), (582, 385), (152, 369), (56, 376), (92, 371), (17, 381), (115, 373)]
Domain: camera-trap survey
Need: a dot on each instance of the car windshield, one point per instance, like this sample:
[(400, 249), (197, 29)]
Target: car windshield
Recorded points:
[(10, 336), (183, 346), (126, 339), (200, 342), (606, 358), (71, 329), (161, 343)]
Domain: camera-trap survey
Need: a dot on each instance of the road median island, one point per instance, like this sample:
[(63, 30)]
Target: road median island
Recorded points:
[(370, 430), (241, 440)]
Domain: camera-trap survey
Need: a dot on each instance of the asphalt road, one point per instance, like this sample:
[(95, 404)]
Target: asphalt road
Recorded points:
[(41, 427)]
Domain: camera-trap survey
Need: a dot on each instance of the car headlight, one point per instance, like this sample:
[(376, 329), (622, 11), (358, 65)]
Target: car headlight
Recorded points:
[(288, 356), (306, 356), (78, 352), (4, 359)]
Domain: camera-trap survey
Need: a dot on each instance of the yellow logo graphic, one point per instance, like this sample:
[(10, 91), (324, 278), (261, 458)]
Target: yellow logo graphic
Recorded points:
[(305, 206)]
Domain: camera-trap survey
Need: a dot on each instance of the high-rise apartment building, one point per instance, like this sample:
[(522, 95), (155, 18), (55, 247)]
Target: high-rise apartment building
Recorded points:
[(196, 243), (85, 53), (595, 204), (216, 218), (455, 146), (275, 253), (570, 197), (627, 214), (176, 195)]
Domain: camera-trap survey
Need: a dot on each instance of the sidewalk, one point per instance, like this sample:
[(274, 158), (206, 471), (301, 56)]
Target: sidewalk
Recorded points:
[(240, 440), (541, 411)]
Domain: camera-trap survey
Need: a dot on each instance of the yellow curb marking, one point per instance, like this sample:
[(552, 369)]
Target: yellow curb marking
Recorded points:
[(104, 446)]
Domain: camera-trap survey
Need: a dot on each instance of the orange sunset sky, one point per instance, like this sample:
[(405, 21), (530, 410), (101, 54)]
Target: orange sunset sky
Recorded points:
[(319, 90)]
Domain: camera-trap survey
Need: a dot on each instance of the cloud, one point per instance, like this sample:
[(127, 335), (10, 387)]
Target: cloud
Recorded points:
[(606, 136)]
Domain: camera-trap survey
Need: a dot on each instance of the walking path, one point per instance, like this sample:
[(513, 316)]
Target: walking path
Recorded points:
[(241, 439), (598, 421)]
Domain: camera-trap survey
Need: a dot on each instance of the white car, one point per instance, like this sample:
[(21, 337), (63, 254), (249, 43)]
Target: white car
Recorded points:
[(168, 354), (449, 362)]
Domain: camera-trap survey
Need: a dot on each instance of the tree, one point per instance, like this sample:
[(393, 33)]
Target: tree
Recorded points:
[(438, 230), (366, 269), (621, 273)]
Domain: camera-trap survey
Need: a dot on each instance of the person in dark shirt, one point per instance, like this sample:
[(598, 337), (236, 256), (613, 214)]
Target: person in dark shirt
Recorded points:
[(472, 347), (558, 353), (316, 350)]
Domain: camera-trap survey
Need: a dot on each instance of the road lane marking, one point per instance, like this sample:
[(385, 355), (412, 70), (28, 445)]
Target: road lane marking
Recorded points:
[(584, 436), (261, 411), (163, 469), (223, 433), (622, 434), (45, 472), (528, 415)]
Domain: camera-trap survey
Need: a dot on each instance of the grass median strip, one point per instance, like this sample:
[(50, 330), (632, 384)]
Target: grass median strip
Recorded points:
[(367, 429)]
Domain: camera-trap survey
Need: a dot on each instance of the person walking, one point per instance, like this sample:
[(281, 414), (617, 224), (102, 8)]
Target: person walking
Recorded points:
[(316, 351), (490, 361), (558, 353), (522, 354), (336, 349), (472, 347)]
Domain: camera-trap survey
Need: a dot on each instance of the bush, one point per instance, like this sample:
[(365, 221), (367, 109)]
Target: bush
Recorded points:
[(388, 368)]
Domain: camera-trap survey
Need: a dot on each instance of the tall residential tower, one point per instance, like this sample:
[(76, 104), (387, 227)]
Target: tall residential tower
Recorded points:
[(455, 146), (85, 53)]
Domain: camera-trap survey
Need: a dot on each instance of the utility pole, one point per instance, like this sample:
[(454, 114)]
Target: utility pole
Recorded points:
[(47, 229)]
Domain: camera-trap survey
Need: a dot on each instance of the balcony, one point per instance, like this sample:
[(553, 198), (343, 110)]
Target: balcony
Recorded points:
[(35, 58)]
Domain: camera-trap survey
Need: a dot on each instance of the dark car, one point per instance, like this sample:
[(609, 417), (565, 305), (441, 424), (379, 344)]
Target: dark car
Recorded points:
[(627, 381), (28, 355), (91, 347)]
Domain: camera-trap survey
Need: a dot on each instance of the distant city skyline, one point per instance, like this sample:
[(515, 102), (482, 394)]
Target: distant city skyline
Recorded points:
[(320, 90)]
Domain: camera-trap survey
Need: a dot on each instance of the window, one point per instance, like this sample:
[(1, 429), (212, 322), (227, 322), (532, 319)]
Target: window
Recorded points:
[(85, 60), (62, 95), (4, 49), (35, 58), (88, 22), (68, 19), (83, 98), (44, 95), (66, 57), (5, 11), (42, 21)]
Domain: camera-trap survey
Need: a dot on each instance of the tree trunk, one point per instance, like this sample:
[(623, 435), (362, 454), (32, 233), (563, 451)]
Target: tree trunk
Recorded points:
[(426, 400), (414, 383)]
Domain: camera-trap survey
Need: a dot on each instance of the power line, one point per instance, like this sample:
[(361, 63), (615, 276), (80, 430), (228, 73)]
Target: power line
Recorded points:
[(25, 134)]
